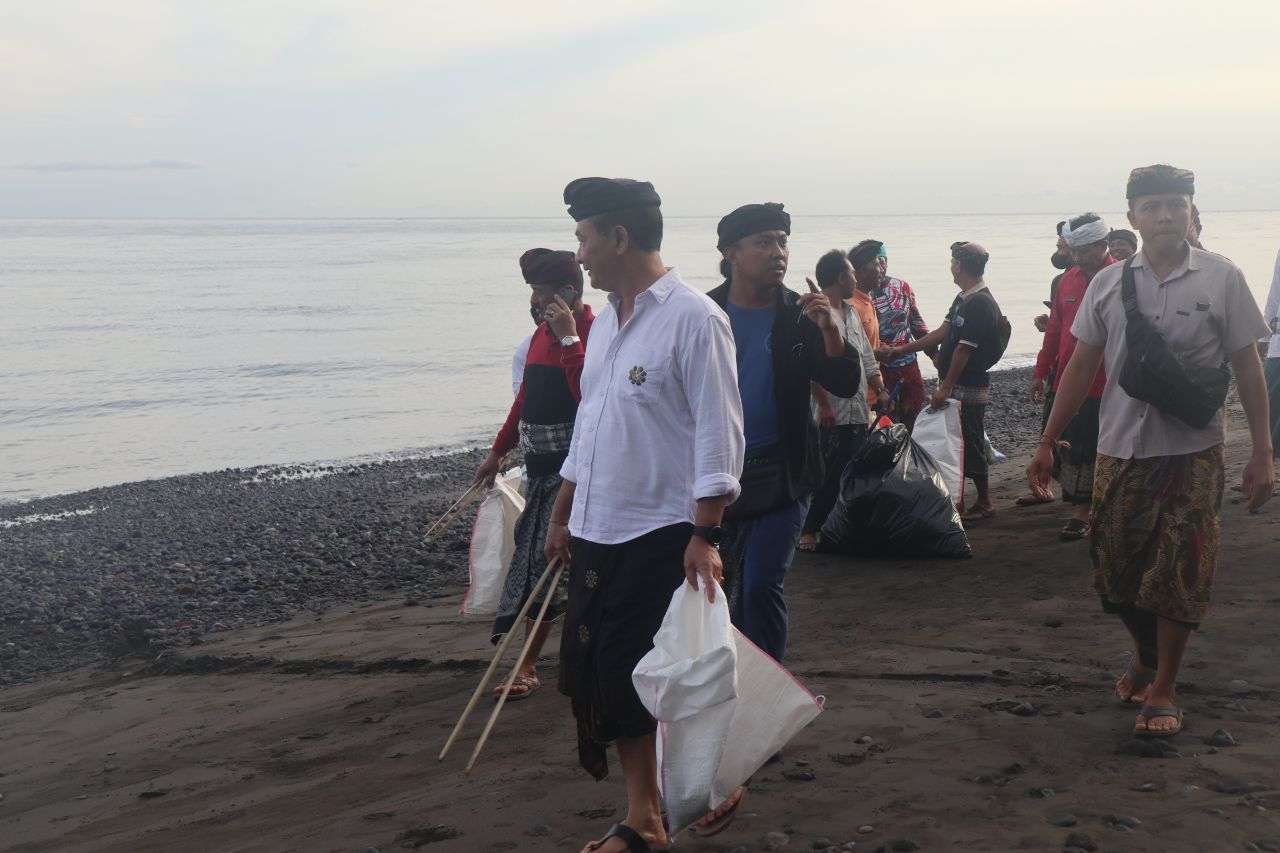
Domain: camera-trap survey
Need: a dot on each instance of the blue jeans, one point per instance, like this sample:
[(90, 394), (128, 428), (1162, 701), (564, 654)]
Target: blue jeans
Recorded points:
[(757, 553), (1272, 366)]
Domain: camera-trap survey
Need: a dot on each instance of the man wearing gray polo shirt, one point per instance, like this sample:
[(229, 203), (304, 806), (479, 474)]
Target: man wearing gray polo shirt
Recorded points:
[(1158, 482)]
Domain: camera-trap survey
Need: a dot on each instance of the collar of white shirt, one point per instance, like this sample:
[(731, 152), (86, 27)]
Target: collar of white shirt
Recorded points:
[(660, 289)]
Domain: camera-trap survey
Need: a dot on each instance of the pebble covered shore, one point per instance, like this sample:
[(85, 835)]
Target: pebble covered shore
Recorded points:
[(139, 568)]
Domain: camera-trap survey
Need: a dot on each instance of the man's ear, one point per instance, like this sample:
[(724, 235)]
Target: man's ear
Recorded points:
[(1129, 216), (621, 240)]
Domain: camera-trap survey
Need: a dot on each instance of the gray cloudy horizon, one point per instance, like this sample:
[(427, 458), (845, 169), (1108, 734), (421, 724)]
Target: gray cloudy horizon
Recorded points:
[(334, 108)]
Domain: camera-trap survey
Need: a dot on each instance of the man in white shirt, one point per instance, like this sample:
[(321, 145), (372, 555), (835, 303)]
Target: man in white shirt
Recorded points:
[(1271, 350), (655, 458)]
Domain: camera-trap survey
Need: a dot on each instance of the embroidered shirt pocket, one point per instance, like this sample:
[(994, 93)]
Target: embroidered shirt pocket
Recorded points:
[(641, 380)]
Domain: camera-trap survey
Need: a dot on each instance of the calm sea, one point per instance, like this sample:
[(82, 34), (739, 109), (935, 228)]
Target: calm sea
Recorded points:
[(137, 349)]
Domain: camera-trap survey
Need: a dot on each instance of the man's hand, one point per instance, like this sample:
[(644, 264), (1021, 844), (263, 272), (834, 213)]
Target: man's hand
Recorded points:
[(1040, 469), (1259, 479), (702, 562), (941, 397), (1037, 391), (884, 352), (488, 470), (818, 308), (560, 318), (557, 544), (1041, 322)]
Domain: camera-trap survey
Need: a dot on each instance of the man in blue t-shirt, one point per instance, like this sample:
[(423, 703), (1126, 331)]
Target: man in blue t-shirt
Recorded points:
[(784, 341)]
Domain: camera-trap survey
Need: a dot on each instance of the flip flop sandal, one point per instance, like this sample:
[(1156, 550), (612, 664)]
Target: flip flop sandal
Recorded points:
[(1137, 682), (1032, 500), (807, 545), (978, 515), (634, 840), (721, 823), (1151, 712), (521, 688), (1074, 530)]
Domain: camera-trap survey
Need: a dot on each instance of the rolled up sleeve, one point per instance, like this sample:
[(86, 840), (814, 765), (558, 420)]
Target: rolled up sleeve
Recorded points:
[(710, 377)]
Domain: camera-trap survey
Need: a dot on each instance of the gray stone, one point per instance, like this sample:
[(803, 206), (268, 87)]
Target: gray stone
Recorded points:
[(1063, 820), (776, 840), (934, 714), (821, 843), (864, 739), (1238, 685), (1082, 841), (867, 829), (1220, 737)]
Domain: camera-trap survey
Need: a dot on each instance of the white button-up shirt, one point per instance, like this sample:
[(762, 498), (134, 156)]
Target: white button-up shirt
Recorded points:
[(660, 421)]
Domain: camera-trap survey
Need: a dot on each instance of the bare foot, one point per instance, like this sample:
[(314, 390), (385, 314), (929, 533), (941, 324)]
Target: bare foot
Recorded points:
[(1125, 689)]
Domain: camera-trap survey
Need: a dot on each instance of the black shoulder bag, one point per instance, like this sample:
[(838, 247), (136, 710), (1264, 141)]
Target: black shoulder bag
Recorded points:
[(1155, 374)]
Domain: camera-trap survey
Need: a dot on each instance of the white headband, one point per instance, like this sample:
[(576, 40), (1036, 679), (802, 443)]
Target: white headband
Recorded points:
[(1090, 232)]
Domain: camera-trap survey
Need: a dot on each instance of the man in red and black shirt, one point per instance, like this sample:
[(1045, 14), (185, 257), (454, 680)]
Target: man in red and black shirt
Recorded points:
[(1086, 238), (541, 423)]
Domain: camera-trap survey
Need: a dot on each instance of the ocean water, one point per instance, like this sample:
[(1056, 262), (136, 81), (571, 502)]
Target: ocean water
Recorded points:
[(135, 349)]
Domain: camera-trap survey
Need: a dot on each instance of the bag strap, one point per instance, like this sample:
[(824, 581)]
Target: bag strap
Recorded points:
[(1134, 323)]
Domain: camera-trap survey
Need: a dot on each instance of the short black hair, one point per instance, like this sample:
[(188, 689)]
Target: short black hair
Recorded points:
[(643, 225), (1057, 229), (830, 267), (972, 258), (726, 268)]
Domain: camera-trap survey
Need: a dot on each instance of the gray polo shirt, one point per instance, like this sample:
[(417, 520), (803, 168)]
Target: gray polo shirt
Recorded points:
[(1203, 309)]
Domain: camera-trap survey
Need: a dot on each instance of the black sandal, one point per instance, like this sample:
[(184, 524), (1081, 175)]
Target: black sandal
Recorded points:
[(635, 841)]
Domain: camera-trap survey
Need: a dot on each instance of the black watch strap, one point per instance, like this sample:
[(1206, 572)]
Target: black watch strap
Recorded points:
[(712, 533)]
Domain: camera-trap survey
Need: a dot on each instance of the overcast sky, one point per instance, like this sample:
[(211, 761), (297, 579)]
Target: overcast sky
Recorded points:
[(488, 107)]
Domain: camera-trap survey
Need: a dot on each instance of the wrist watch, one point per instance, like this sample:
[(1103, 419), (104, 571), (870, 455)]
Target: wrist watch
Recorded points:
[(712, 533), (569, 340)]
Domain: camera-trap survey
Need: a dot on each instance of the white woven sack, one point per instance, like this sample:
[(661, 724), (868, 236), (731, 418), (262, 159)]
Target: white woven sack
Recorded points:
[(938, 432), (493, 541)]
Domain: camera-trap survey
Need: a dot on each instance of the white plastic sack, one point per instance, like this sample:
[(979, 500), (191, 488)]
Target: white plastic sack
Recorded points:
[(493, 540), (688, 682), (772, 708), (938, 432)]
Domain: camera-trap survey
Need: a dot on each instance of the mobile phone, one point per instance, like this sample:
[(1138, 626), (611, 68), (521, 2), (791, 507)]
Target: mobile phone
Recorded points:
[(568, 293)]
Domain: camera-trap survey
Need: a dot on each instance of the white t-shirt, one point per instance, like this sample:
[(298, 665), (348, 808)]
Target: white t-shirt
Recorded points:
[(517, 365)]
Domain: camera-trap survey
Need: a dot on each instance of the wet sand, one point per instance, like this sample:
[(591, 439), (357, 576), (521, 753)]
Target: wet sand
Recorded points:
[(969, 707)]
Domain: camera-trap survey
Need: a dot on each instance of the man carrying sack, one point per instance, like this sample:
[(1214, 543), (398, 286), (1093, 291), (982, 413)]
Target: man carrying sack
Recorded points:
[(1158, 483), (655, 458)]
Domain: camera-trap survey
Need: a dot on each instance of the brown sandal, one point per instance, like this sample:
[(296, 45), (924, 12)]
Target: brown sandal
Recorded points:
[(521, 688)]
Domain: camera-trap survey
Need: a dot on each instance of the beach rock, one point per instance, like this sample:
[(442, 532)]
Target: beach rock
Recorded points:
[(865, 739), (1220, 737), (1145, 787), (821, 843), (800, 775), (1053, 623), (1081, 841), (412, 839), (1117, 821), (1148, 748), (1041, 793), (1271, 845), (934, 714), (775, 840), (866, 829), (538, 830), (1063, 820), (1238, 685), (900, 845)]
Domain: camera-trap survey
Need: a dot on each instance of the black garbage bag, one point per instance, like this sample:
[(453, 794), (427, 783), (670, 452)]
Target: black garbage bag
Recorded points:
[(893, 503)]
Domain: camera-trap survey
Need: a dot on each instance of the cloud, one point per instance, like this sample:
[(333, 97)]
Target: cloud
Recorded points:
[(90, 166)]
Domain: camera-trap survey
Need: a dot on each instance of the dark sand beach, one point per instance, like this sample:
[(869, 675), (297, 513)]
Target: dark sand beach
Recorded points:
[(205, 663)]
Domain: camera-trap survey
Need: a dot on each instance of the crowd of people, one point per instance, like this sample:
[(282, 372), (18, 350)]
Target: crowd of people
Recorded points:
[(688, 437)]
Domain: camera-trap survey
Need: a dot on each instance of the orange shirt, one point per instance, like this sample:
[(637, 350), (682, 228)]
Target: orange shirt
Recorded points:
[(866, 309)]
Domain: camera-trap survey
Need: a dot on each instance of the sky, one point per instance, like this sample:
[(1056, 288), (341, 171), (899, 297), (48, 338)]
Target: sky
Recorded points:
[(354, 108)]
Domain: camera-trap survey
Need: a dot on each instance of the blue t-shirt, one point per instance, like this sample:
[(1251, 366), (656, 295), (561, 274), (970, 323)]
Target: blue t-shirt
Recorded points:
[(753, 337)]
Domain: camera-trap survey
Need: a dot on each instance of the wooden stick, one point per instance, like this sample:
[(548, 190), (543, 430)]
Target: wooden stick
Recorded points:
[(497, 656), (506, 688), (448, 512)]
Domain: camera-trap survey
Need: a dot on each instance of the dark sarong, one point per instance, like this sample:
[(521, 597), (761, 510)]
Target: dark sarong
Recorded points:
[(618, 595), (1155, 533), (1073, 466), (528, 560), (973, 431)]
